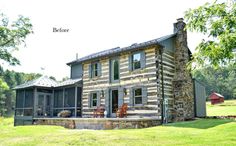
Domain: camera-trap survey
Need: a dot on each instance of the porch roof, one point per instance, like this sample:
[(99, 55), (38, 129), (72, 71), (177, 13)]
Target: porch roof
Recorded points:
[(45, 81), (68, 82), (42, 81)]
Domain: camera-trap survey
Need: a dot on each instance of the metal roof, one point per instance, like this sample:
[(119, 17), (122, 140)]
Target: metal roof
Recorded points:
[(45, 81), (42, 81), (68, 82), (118, 49), (218, 94)]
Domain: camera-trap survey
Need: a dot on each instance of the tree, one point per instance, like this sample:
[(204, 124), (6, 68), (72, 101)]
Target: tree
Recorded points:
[(3, 87), (11, 36), (217, 21), (221, 79)]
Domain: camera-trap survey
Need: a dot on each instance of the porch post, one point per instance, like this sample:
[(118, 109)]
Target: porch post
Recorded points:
[(35, 102), (63, 101), (52, 104), (76, 101)]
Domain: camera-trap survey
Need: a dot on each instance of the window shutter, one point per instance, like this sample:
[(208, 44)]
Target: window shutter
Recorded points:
[(90, 71), (130, 63), (98, 98), (120, 97), (99, 69), (131, 98), (144, 95), (143, 59), (107, 101), (89, 100)]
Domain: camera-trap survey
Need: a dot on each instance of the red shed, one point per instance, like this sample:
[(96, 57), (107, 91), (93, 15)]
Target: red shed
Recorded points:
[(216, 98)]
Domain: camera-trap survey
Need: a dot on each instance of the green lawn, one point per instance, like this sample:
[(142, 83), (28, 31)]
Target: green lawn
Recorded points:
[(224, 109), (202, 132)]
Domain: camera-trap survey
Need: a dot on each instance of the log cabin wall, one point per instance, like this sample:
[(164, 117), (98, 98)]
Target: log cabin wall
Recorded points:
[(148, 77), (168, 76)]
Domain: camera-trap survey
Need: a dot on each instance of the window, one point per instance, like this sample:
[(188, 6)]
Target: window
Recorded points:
[(93, 101), (115, 71), (94, 70), (138, 96), (136, 61)]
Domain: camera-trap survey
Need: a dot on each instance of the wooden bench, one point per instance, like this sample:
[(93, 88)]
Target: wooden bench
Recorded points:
[(99, 112)]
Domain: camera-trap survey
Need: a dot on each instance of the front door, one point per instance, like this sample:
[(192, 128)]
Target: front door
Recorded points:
[(43, 107), (114, 102)]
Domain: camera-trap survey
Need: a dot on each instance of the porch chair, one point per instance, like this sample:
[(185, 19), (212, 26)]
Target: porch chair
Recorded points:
[(122, 111), (99, 112)]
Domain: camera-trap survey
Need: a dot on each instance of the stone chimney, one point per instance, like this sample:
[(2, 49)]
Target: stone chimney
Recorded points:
[(182, 83)]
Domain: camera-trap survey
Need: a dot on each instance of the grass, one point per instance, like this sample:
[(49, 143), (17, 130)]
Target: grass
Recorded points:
[(223, 109), (200, 132)]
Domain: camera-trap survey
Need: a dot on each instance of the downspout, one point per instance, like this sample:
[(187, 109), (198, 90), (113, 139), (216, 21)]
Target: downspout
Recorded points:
[(195, 98), (162, 89)]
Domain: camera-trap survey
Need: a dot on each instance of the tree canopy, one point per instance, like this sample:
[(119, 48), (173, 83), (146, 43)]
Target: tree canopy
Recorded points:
[(221, 80), (217, 20), (12, 35)]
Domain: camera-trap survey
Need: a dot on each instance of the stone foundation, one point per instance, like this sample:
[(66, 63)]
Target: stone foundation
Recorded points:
[(99, 123)]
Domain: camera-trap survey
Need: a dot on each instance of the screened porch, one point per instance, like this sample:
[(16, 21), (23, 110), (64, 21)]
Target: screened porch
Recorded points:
[(45, 98)]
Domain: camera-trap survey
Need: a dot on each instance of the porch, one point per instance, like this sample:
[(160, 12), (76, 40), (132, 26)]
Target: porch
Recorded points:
[(45, 98)]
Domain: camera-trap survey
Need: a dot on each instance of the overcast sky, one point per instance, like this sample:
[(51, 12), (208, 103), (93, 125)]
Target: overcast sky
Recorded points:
[(94, 25)]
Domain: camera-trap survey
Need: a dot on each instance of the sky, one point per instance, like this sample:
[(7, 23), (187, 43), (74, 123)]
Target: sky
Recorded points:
[(94, 25)]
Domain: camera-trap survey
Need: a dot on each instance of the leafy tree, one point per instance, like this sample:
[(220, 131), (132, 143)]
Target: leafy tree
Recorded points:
[(3, 87), (11, 36), (220, 79), (217, 20)]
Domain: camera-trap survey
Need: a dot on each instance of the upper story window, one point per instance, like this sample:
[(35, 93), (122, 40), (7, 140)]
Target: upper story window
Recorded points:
[(95, 69), (137, 60), (115, 70)]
